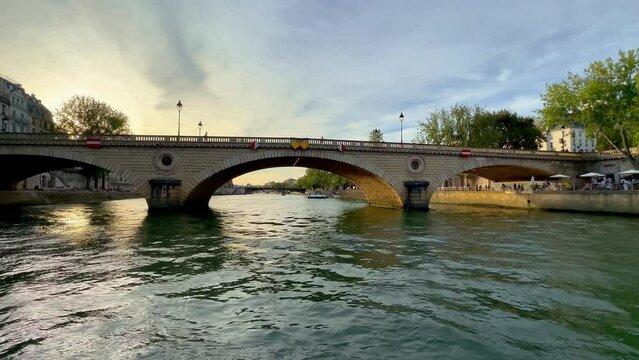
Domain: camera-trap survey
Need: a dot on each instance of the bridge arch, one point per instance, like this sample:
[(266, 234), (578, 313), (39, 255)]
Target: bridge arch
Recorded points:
[(381, 188), (498, 170), (21, 163)]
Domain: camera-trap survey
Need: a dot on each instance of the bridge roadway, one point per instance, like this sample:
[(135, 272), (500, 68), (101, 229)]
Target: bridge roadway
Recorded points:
[(183, 172)]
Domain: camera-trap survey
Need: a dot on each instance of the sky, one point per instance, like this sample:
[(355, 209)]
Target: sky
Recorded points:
[(304, 68)]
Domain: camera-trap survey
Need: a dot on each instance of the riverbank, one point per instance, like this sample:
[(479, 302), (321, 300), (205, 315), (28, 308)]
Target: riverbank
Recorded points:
[(615, 202), (24, 198)]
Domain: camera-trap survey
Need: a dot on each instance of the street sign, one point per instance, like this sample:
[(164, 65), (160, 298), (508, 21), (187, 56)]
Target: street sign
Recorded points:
[(93, 143)]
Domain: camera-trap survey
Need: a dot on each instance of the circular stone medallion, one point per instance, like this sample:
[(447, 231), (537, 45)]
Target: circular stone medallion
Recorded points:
[(165, 160), (416, 165)]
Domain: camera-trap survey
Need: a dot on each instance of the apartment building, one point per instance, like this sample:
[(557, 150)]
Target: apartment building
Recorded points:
[(571, 138), (21, 112)]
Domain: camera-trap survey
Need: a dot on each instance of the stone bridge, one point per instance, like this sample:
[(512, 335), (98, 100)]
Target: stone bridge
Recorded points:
[(176, 172)]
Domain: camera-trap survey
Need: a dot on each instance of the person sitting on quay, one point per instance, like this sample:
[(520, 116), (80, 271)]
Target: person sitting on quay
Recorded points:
[(608, 184)]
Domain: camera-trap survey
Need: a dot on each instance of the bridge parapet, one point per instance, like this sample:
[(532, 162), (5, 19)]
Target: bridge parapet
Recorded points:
[(612, 154), (285, 143)]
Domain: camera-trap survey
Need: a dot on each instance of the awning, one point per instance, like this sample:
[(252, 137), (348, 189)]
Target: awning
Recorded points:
[(559, 176), (592, 174)]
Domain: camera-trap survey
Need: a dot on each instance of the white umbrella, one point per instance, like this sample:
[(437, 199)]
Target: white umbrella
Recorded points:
[(591, 175), (559, 176), (629, 172)]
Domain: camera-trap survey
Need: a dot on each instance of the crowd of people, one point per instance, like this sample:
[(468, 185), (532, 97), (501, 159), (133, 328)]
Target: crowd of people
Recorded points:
[(595, 184), (602, 183)]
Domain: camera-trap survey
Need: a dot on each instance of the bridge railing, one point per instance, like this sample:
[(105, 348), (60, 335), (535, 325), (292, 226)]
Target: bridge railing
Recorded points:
[(285, 142)]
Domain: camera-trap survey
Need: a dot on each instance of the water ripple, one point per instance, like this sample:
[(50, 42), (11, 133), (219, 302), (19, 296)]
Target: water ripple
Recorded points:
[(266, 276)]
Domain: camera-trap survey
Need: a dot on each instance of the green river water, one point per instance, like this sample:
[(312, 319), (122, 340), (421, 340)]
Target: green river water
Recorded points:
[(284, 277)]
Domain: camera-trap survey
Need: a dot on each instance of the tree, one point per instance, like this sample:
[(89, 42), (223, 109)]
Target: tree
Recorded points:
[(447, 127), (376, 135), (495, 129), (605, 99), (462, 125), (319, 179), (85, 115)]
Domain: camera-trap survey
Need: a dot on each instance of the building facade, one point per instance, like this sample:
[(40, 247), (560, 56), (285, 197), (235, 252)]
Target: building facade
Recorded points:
[(21, 112), (571, 138)]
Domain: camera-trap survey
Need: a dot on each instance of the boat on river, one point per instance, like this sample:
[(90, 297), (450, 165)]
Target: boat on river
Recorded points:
[(316, 195)]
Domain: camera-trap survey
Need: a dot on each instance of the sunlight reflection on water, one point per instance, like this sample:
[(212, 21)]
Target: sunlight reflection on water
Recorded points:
[(269, 276)]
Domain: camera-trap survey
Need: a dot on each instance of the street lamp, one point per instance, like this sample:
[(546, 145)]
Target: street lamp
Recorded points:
[(563, 142), (199, 125), (5, 122), (401, 127), (179, 107)]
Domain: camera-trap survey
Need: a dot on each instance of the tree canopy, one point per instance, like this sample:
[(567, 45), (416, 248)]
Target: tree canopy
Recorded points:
[(447, 126), (463, 125), (85, 115), (319, 179), (605, 99)]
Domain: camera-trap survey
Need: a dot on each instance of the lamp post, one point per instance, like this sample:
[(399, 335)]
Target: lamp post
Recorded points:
[(179, 108), (563, 142), (199, 125), (401, 127), (5, 122)]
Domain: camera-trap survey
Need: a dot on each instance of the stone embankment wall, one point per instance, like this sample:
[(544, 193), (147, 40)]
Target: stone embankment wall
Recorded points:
[(621, 202), (21, 198)]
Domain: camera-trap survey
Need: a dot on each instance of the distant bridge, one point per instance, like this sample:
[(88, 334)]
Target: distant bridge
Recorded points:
[(176, 172), (251, 189)]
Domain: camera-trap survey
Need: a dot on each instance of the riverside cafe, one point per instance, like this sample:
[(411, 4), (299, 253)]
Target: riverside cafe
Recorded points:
[(597, 181), (602, 182), (629, 179)]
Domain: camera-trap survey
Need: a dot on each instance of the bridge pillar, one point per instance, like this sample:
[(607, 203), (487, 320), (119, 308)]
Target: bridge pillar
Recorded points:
[(416, 195), (165, 194)]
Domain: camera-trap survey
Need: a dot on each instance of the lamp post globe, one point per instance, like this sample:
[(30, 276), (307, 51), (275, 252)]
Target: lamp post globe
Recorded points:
[(179, 109), (401, 127), (199, 125)]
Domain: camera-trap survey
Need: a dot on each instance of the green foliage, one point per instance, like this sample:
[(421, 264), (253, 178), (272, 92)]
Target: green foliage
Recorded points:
[(376, 135), (85, 115), (318, 179), (463, 125), (282, 185), (447, 126), (605, 99), (498, 128)]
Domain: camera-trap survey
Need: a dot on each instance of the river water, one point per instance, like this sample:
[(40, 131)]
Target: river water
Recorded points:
[(284, 277)]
